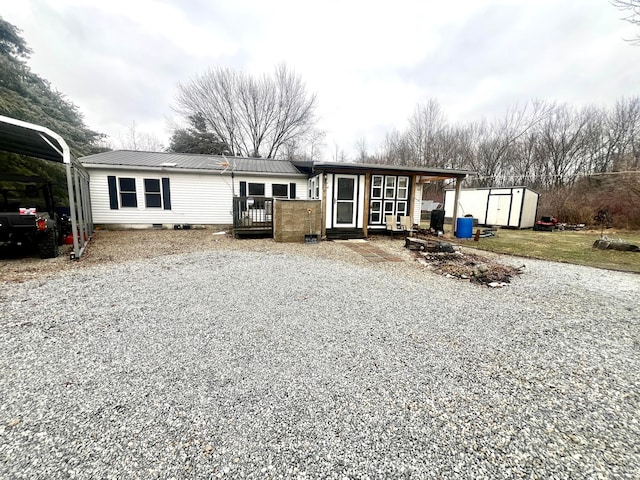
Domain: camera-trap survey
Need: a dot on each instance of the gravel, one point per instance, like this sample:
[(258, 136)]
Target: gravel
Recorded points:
[(268, 364)]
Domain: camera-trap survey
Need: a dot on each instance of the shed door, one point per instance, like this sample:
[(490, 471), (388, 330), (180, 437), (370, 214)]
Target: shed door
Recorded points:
[(344, 201), (498, 210)]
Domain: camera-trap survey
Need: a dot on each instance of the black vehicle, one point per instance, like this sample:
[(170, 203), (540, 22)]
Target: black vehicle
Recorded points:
[(28, 216)]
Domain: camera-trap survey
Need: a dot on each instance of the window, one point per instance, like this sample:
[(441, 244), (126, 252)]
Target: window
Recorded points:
[(388, 207), (390, 187), (314, 187), (376, 186), (122, 192), (403, 188), (375, 212), (389, 196), (128, 197), (152, 193), (401, 209), (256, 189), (280, 190)]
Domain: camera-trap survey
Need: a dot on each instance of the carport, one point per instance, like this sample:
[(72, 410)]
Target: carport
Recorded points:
[(37, 141)]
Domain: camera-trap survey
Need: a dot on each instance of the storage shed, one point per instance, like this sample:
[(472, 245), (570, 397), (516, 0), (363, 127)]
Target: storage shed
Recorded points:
[(515, 207)]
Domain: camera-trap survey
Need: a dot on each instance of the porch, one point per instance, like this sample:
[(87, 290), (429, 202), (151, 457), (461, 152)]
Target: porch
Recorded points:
[(252, 216)]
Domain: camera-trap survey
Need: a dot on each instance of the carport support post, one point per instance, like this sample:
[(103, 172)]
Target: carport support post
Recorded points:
[(72, 208), (455, 206)]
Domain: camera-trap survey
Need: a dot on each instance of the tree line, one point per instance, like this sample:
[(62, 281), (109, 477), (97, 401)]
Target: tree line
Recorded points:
[(541, 144)]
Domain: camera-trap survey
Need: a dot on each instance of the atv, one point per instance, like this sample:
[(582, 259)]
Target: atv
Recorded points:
[(28, 216)]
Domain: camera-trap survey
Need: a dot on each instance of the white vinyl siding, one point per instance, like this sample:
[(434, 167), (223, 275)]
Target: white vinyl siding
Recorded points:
[(196, 198), (417, 205)]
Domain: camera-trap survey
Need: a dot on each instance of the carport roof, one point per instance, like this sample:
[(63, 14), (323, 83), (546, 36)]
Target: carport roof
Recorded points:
[(190, 161), (32, 140)]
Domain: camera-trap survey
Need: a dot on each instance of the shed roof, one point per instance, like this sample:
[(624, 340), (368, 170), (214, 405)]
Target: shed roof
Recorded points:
[(189, 161)]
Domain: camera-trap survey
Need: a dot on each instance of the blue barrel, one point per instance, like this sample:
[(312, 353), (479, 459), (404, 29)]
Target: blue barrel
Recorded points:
[(464, 227)]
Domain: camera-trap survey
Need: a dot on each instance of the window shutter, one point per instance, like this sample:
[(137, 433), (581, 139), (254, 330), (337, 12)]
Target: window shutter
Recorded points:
[(292, 190), (243, 189), (166, 194), (113, 193)]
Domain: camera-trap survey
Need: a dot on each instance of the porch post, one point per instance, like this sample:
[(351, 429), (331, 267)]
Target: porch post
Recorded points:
[(323, 179), (367, 190), (455, 206)]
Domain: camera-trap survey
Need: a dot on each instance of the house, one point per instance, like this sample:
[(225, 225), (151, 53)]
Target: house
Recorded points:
[(514, 207), (142, 189)]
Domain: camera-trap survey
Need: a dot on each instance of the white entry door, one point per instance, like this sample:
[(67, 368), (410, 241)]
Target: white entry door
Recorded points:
[(344, 201)]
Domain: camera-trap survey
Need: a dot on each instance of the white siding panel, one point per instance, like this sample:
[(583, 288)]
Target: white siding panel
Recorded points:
[(329, 217), (417, 204), (529, 209), (470, 202), (516, 206), (196, 198)]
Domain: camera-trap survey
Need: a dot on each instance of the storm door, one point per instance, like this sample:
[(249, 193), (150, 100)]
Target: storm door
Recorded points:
[(344, 201)]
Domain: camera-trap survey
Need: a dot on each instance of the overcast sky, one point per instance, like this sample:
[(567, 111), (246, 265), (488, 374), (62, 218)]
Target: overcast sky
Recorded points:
[(370, 62)]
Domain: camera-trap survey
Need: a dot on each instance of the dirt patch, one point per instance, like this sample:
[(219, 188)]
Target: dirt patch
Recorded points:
[(113, 247), (470, 266)]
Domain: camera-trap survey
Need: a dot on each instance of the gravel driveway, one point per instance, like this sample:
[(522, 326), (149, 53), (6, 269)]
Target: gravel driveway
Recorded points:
[(267, 364)]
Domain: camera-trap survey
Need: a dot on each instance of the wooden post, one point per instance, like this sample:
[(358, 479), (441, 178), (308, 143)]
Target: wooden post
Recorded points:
[(323, 179), (367, 191), (455, 206)]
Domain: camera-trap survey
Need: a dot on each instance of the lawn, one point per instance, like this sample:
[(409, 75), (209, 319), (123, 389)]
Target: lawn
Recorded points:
[(563, 246)]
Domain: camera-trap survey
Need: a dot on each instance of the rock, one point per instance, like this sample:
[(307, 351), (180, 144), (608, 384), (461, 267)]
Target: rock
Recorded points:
[(620, 245), (14, 422)]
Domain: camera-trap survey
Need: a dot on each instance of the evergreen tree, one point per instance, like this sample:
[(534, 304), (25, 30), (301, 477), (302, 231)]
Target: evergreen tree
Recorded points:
[(26, 96)]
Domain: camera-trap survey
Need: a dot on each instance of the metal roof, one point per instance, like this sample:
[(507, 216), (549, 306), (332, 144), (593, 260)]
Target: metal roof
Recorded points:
[(32, 140), (190, 161), (375, 167)]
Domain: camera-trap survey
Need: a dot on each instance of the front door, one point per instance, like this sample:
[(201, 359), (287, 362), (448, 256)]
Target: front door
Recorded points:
[(344, 201)]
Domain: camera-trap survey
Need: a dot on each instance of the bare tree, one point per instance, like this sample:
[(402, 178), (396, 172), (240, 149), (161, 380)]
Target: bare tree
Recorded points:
[(134, 139), (253, 116), (425, 134), (497, 139), (632, 8), (362, 154), (563, 143)]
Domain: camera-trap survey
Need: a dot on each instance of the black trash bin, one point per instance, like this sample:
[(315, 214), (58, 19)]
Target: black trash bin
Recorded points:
[(437, 220)]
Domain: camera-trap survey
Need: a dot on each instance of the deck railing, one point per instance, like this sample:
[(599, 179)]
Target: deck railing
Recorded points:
[(252, 214)]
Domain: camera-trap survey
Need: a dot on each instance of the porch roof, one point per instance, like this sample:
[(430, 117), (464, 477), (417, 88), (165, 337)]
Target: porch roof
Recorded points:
[(425, 173)]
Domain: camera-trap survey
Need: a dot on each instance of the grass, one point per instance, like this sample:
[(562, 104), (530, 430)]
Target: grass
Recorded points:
[(563, 246)]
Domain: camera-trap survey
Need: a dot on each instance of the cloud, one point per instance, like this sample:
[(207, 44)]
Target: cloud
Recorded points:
[(370, 62)]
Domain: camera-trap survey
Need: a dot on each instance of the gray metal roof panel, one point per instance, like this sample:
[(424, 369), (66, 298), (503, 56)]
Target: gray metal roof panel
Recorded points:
[(321, 166), (190, 161)]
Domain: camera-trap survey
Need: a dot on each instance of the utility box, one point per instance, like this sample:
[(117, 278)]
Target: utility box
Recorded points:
[(515, 207), (293, 220)]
